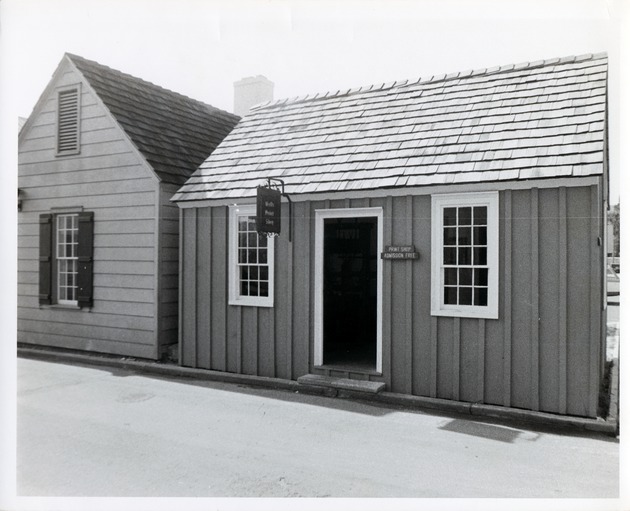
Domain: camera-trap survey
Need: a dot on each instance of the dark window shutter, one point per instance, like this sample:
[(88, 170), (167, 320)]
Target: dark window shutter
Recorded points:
[(85, 251), (45, 258)]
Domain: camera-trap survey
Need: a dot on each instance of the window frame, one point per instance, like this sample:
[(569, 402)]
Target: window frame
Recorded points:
[(235, 298), (320, 216), (77, 150), (57, 259), (469, 199)]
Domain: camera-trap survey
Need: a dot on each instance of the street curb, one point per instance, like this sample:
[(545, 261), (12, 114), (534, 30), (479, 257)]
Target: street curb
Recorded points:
[(608, 427), (161, 369)]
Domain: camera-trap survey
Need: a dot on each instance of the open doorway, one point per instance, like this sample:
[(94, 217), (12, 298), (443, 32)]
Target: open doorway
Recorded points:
[(350, 292), (348, 304)]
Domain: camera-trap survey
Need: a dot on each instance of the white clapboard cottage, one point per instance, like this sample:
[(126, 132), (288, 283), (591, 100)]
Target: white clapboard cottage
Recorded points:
[(99, 159), (491, 183)]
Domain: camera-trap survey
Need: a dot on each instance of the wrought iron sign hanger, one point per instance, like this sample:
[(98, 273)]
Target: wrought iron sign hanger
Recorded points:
[(268, 211)]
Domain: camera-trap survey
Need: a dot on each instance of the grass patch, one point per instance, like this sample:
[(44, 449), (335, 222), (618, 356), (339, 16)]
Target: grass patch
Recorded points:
[(603, 405)]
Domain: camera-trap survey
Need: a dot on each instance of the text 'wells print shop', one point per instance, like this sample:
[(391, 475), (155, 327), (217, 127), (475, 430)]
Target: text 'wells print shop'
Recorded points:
[(496, 181)]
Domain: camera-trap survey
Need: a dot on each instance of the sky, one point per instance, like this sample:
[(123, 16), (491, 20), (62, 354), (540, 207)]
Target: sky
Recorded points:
[(200, 47)]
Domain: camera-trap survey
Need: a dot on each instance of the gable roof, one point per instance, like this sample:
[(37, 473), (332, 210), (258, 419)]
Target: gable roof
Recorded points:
[(173, 132), (533, 120)]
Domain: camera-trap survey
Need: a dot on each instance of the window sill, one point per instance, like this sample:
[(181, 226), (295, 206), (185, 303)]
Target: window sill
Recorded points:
[(243, 302), (63, 306), (462, 313)]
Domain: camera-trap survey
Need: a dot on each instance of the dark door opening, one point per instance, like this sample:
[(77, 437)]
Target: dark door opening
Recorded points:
[(350, 278)]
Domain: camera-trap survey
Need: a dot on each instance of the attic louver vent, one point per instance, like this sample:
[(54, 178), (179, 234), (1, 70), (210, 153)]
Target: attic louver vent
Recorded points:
[(68, 122)]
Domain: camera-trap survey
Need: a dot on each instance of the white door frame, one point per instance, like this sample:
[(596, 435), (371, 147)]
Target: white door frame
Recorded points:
[(320, 215)]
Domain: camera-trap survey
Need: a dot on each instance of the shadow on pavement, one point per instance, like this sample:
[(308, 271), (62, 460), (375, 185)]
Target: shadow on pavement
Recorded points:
[(489, 431)]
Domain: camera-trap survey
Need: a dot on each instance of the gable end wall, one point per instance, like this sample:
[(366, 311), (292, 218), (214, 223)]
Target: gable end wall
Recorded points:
[(108, 178)]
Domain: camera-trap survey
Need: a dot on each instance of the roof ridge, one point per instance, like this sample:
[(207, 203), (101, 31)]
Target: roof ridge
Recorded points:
[(435, 78), (172, 132), (73, 57)]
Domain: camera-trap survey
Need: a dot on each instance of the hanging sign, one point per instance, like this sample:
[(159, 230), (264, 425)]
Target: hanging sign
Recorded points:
[(268, 210), (400, 253)]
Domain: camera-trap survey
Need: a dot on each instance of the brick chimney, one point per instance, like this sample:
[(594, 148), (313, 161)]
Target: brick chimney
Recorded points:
[(251, 91)]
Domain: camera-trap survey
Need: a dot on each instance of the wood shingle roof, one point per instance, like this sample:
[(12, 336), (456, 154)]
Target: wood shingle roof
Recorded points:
[(173, 132), (533, 120)]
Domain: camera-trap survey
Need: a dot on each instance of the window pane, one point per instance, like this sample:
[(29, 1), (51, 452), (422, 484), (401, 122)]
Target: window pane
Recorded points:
[(481, 237), (481, 277), (252, 240), (464, 256), (450, 256), (450, 276), (264, 289), (464, 237), (262, 241), (253, 289), (244, 273), (244, 288), (481, 215), (242, 224), (253, 273), (450, 216), (481, 296), (450, 235), (465, 216), (465, 277), (242, 239), (62, 272), (264, 273), (481, 256), (450, 295), (465, 296), (242, 256), (262, 256), (252, 256)]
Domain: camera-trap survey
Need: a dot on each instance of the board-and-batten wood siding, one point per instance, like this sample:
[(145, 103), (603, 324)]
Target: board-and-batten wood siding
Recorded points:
[(532, 357), (108, 178)]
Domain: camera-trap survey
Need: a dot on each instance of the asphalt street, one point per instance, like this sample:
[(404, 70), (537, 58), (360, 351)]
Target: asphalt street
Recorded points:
[(85, 431)]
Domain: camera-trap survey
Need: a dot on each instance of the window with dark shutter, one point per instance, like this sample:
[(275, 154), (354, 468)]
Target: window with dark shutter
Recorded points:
[(66, 245), (68, 122)]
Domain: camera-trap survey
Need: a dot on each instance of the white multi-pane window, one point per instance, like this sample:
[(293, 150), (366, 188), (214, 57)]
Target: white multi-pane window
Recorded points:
[(67, 242), (465, 255), (251, 260)]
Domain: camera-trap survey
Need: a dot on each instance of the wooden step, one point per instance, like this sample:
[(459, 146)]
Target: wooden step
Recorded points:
[(369, 387)]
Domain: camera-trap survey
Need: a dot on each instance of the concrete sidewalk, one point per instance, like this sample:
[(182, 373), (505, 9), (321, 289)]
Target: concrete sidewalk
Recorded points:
[(513, 415), (107, 431)]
